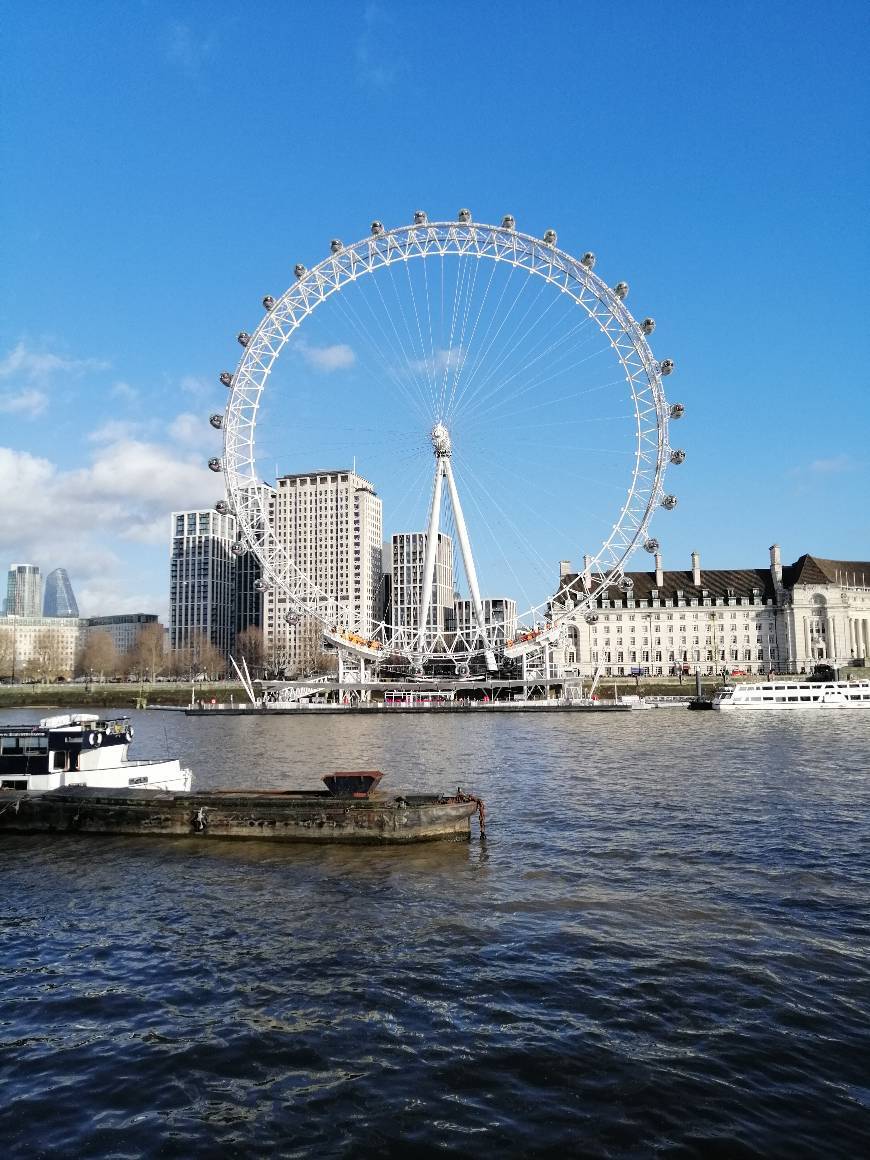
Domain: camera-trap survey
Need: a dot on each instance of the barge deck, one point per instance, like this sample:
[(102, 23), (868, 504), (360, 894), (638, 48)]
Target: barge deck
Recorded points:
[(273, 815)]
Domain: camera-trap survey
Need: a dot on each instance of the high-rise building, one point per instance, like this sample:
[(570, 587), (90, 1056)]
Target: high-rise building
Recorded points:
[(328, 525), (409, 553), (499, 618), (248, 612), (202, 579), (59, 599), (24, 591)]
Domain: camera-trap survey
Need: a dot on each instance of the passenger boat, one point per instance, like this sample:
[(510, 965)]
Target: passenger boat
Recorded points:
[(80, 749), (795, 695)]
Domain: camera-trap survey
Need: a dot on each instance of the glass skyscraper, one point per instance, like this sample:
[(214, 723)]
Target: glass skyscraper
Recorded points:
[(59, 598), (24, 591)]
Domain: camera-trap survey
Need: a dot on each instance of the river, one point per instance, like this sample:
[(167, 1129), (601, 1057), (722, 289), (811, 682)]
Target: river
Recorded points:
[(662, 948)]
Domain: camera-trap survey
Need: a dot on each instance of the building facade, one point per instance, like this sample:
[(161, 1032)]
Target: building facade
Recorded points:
[(408, 553), (59, 598), (499, 618), (328, 528), (754, 620), (202, 579), (124, 629), (24, 591)]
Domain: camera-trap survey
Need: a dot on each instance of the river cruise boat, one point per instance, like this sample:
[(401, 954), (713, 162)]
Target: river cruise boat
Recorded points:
[(80, 749), (795, 695)]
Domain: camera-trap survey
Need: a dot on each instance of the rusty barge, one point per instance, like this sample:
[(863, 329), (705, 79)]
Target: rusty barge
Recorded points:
[(348, 812)]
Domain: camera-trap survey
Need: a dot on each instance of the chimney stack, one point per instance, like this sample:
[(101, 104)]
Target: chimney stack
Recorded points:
[(660, 576), (564, 568), (587, 571), (696, 569), (776, 565)]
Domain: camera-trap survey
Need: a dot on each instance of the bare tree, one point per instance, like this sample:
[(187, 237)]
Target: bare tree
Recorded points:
[(48, 656), (7, 645), (146, 656), (250, 648), (98, 656), (311, 657)]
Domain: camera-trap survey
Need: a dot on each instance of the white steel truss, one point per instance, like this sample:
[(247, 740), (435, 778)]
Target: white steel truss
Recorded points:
[(424, 240)]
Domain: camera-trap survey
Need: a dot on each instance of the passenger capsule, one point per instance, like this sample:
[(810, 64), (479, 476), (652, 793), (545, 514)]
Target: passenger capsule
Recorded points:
[(677, 411), (261, 586), (464, 216), (216, 420), (299, 270), (591, 617), (377, 228), (508, 222), (651, 545), (291, 618), (243, 338), (666, 367), (226, 378), (621, 290), (215, 464), (336, 246), (588, 260), (678, 457), (268, 302), (420, 218), (550, 238), (222, 507), (237, 549), (648, 325), (626, 584), (669, 502)]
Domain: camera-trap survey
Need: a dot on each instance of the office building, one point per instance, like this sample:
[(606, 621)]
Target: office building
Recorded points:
[(24, 591), (408, 556), (499, 618), (327, 525), (202, 579), (59, 599)]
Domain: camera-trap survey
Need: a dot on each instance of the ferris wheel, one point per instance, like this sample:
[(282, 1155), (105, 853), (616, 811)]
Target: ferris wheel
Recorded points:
[(507, 365)]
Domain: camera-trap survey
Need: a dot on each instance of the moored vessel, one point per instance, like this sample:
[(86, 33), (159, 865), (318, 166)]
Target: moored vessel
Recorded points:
[(348, 812), (81, 750), (784, 694)]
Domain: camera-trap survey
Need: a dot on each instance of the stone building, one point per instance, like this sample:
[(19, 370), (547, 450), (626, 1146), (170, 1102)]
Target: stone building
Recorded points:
[(751, 620)]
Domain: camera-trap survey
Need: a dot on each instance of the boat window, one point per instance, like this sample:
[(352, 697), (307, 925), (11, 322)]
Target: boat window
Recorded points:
[(59, 759), (34, 744)]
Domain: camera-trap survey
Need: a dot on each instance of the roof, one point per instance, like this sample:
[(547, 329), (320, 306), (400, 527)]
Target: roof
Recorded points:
[(816, 570), (717, 581)]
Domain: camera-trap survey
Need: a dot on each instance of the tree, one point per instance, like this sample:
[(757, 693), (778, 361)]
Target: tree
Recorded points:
[(311, 657), (7, 645), (198, 658), (147, 657), (249, 647), (47, 656), (98, 656)]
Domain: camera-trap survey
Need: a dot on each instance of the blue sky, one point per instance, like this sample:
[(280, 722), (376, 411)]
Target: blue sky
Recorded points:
[(165, 165)]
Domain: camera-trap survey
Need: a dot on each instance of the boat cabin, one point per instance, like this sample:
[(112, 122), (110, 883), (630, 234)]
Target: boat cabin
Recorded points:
[(70, 743)]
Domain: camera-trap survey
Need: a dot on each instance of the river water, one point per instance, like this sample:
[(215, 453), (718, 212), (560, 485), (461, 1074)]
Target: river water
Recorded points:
[(662, 948)]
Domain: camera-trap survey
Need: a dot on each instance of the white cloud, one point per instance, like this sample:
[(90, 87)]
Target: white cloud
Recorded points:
[(328, 358), (37, 366), (121, 390), (81, 519), (194, 385), (438, 361), (29, 402), (192, 430), (833, 466)]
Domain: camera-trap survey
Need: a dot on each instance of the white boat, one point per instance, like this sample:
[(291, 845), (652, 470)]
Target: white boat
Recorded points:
[(80, 749), (783, 694)]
